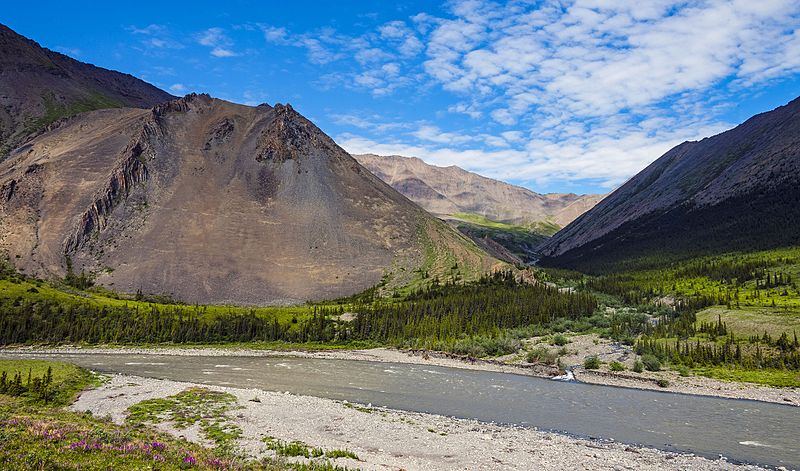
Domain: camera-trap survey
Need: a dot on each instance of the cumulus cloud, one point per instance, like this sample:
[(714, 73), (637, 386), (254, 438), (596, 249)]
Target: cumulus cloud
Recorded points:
[(585, 89), (219, 42)]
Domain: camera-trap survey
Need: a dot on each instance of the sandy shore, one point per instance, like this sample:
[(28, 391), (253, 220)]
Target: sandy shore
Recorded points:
[(685, 385), (388, 439)]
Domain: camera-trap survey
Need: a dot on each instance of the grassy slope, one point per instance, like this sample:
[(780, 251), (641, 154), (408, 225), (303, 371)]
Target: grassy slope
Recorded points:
[(39, 290), (545, 228), (672, 281), (518, 239)]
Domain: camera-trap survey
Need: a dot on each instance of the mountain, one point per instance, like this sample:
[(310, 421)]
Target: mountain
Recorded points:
[(446, 191), (214, 202), (739, 190), (39, 86), (507, 221)]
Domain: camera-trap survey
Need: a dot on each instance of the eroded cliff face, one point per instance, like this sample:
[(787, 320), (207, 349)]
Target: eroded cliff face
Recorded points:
[(129, 172), (210, 202)]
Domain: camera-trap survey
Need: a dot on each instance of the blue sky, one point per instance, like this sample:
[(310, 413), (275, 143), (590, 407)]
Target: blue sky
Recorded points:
[(572, 96)]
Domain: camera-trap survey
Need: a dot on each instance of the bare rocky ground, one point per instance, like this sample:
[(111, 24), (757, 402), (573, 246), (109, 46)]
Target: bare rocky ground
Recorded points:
[(579, 348), (387, 439)]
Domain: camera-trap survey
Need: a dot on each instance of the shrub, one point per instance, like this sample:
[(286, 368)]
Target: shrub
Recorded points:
[(541, 354), (591, 363), (683, 371), (651, 363), (559, 340), (638, 367), (616, 366), (662, 383)]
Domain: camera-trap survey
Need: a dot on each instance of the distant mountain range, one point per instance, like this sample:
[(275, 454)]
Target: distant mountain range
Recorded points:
[(445, 191), (508, 221), (39, 86), (198, 198), (739, 190)]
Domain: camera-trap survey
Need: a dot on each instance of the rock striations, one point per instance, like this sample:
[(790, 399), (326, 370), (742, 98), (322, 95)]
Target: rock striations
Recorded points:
[(210, 201)]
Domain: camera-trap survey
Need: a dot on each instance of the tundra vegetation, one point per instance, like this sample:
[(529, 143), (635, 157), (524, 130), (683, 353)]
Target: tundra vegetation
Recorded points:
[(38, 433)]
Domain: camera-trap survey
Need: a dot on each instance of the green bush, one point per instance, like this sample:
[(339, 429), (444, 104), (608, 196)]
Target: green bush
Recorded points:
[(651, 363), (591, 363), (616, 366), (559, 340), (541, 354), (662, 383), (683, 371), (638, 367)]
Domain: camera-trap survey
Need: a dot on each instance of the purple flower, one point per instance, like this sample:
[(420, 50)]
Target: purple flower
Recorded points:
[(81, 445), (158, 446), (189, 459)]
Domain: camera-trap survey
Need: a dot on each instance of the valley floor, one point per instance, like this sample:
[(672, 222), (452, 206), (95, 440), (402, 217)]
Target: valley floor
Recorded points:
[(580, 347), (388, 439)]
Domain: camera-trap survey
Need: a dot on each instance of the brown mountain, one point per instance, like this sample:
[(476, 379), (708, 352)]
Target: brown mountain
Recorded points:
[(214, 202), (739, 190), (39, 86), (445, 191)]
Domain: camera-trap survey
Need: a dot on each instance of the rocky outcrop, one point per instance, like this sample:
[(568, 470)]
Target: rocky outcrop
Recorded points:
[(290, 135), (131, 171)]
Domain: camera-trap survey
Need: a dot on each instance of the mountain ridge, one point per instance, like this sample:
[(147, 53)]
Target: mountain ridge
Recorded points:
[(40, 86), (733, 191), (445, 191)]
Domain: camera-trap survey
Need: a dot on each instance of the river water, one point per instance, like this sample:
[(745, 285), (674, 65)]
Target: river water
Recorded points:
[(740, 430)]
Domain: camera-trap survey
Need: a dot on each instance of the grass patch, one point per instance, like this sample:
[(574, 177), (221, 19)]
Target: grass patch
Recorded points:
[(296, 448), (68, 380), (753, 320), (768, 377), (200, 406)]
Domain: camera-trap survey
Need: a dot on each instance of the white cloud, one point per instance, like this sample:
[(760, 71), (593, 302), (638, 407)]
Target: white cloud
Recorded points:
[(586, 89), (218, 41), (155, 37), (177, 88), (222, 52)]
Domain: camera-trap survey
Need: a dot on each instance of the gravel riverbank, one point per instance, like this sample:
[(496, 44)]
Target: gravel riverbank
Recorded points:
[(388, 439)]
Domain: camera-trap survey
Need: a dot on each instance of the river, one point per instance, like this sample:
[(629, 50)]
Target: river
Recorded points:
[(748, 431)]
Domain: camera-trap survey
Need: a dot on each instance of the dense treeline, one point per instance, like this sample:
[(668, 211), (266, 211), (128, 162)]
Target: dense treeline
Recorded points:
[(451, 311), (49, 321), (761, 279), (484, 308)]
